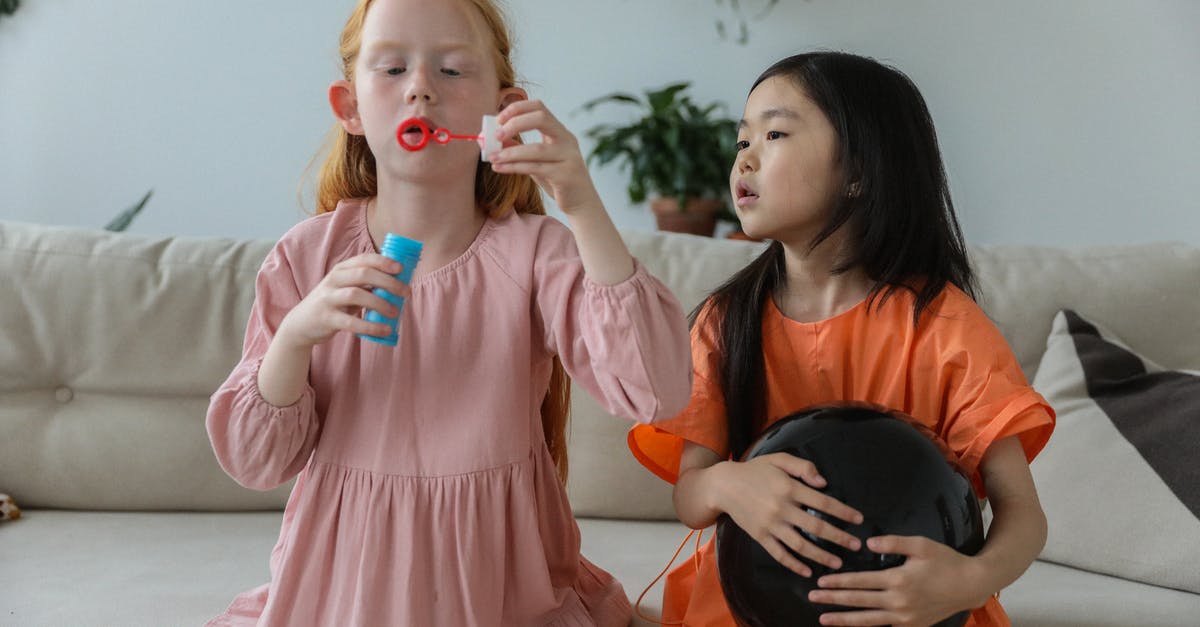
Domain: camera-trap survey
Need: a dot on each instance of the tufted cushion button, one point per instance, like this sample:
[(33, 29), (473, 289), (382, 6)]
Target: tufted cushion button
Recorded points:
[(63, 394)]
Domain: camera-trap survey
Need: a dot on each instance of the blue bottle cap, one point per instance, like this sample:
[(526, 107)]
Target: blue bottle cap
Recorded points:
[(397, 247)]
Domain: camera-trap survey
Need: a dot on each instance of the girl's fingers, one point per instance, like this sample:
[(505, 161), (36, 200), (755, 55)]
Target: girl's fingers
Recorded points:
[(536, 169), (809, 497), (872, 599), (860, 580), (368, 278), (520, 107), (799, 468), (373, 260), (346, 322), (540, 153), (776, 550), (788, 535), (540, 120), (357, 298), (824, 530), (859, 618), (901, 545)]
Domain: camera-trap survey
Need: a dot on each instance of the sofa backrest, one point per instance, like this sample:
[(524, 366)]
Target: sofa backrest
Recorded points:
[(110, 345), (1148, 294)]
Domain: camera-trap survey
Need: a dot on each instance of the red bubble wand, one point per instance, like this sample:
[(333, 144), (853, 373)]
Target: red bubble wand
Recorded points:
[(486, 139)]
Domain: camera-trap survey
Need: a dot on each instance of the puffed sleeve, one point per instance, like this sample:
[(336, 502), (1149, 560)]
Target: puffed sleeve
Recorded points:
[(986, 397), (258, 444), (626, 344), (659, 447)]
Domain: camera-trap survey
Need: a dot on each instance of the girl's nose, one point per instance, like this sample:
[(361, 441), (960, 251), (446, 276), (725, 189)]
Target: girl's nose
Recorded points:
[(743, 163), (419, 89)]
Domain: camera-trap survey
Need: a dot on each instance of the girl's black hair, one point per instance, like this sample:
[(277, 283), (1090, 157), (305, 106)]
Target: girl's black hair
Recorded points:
[(895, 201)]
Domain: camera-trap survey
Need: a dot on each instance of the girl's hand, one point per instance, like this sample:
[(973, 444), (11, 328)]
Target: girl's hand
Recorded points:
[(934, 582), (555, 163), (765, 499), (335, 304)]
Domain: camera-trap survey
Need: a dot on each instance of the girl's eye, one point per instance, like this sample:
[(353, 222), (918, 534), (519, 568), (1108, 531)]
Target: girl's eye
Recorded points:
[(775, 135), (450, 72), (742, 145), (395, 71)]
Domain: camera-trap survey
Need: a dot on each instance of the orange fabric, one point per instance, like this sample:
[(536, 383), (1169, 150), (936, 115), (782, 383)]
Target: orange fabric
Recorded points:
[(954, 374)]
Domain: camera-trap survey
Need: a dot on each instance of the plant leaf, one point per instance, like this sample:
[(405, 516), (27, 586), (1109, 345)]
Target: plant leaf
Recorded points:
[(122, 221), (613, 97), (661, 100)]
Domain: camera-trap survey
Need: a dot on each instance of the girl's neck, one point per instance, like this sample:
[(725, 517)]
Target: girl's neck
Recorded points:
[(444, 218), (812, 292)]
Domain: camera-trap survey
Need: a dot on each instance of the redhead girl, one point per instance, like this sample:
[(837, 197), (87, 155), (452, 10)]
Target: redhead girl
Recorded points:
[(429, 476)]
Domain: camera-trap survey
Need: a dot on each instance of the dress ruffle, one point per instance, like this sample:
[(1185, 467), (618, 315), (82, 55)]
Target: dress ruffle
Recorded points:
[(427, 551)]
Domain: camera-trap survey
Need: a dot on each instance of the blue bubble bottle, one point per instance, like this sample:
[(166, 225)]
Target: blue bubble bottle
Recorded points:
[(408, 253)]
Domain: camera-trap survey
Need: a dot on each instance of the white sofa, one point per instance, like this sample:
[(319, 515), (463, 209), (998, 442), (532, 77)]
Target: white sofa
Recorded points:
[(110, 345)]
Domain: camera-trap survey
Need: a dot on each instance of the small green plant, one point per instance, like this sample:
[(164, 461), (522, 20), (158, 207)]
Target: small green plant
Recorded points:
[(7, 7), (743, 30), (125, 218), (675, 149)]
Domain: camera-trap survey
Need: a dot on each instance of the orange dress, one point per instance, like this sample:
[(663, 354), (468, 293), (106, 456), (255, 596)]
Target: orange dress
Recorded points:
[(954, 374)]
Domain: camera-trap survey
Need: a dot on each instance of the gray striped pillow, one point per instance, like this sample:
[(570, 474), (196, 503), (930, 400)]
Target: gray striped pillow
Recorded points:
[(1120, 478)]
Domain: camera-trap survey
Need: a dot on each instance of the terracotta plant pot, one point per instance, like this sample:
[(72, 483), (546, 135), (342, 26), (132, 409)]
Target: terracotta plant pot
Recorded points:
[(699, 215), (741, 235)]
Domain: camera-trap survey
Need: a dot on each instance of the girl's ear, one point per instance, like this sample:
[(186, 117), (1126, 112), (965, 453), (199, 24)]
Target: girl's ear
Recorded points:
[(509, 95), (345, 106)]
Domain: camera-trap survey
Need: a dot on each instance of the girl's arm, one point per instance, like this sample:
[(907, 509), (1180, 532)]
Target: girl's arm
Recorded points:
[(620, 333), (936, 581), (261, 421), (557, 165), (766, 497), (1018, 530)]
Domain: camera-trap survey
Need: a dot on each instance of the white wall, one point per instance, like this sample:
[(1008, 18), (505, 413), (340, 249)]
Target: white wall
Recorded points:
[(1067, 122)]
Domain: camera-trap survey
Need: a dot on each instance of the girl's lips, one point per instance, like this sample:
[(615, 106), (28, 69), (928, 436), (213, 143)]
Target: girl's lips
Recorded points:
[(745, 195), (413, 124), (412, 133)]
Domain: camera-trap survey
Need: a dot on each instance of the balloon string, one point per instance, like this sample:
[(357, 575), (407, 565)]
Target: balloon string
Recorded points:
[(637, 606)]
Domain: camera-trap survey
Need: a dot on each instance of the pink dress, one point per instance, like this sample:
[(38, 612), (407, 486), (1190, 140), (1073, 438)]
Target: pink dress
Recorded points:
[(426, 494)]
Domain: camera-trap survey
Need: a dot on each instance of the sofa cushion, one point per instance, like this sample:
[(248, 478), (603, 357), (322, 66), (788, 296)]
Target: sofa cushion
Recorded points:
[(1047, 595), (110, 348), (139, 569), (1137, 290), (1119, 479)]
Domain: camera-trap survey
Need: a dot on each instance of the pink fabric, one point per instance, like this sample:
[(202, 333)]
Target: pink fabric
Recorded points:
[(426, 494)]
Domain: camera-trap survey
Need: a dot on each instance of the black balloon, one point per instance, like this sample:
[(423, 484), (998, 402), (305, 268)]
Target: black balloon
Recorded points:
[(873, 461)]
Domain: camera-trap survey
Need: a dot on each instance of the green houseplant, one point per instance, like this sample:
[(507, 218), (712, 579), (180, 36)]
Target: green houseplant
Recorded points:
[(676, 152)]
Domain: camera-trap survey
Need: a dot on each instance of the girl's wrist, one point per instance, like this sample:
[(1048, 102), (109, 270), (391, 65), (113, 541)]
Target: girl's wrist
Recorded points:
[(587, 203), (289, 349), (288, 341), (717, 491), (979, 581)]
